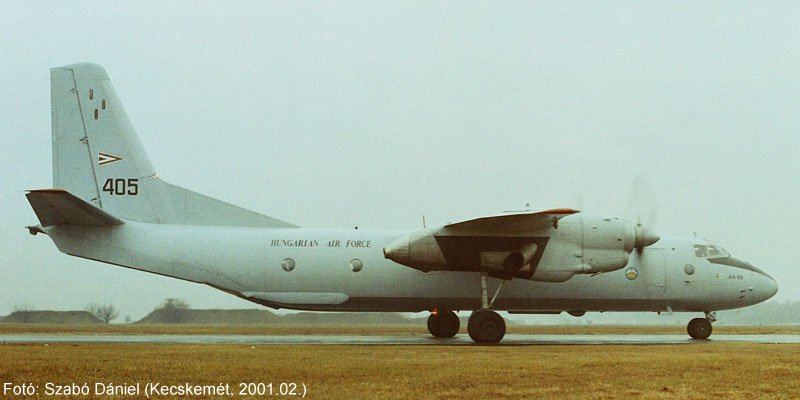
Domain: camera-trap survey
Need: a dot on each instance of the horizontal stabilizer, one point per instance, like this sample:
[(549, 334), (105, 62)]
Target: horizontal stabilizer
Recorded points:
[(512, 222), (59, 207)]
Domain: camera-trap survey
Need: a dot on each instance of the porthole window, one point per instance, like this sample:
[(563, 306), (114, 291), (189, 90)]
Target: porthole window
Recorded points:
[(287, 264), (356, 265), (689, 269)]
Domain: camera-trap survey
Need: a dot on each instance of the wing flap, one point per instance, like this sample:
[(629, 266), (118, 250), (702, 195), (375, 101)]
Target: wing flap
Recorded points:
[(59, 207)]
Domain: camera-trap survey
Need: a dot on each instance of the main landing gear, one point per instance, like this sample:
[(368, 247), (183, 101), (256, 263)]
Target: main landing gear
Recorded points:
[(443, 324), (700, 328), (484, 325)]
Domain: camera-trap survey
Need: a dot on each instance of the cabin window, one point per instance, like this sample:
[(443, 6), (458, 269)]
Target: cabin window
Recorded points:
[(103, 104), (91, 94), (287, 264), (688, 269), (356, 265), (96, 113)]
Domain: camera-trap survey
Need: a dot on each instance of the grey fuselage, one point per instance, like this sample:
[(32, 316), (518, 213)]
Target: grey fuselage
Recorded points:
[(248, 262)]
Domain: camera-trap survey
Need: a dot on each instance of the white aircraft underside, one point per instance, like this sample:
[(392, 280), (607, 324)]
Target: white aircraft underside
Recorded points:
[(112, 207)]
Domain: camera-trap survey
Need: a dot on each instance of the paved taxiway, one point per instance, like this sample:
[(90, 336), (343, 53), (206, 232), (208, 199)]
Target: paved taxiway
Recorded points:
[(511, 339)]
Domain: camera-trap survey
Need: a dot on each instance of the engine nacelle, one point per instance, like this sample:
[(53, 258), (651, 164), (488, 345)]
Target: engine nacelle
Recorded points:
[(597, 244), (574, 245), (418, 250), (503, 257), (608, 242)]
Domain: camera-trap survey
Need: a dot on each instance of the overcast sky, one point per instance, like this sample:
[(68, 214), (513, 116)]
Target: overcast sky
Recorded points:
[(337, 114)]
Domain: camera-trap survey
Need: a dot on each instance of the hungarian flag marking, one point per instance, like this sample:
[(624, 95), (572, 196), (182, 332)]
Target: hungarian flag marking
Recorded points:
[(105, 158)]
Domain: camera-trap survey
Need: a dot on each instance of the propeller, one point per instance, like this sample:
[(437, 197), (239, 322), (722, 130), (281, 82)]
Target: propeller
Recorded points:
[(642, 192), (642, 200)]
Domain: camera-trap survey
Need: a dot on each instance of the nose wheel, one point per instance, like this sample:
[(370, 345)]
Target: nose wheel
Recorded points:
[(443, 324)]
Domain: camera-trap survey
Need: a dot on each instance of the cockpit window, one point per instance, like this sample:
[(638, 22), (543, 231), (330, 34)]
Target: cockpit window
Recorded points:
[(716, 251), (709, 251), (717, 255), (700, 251)]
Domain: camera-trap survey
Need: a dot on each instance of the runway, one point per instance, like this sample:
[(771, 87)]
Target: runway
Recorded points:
[(388, 340)]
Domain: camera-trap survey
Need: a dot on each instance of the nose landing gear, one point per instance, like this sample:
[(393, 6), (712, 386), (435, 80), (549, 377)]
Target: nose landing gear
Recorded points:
[(700, 328)]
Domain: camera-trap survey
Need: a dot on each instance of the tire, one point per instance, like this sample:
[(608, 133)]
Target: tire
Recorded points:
[(434, 325), (443, 325), (450, 324), (699, 328), (486, 326)]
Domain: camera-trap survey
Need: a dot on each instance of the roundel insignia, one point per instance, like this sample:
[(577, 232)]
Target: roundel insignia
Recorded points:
[(631, 273)]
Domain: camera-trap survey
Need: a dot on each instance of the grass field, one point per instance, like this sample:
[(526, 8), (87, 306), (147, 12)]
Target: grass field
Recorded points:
[(703, 370), (688, 371)]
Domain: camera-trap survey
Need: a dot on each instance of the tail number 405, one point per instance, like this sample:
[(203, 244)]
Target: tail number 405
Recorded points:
[(121, 187)]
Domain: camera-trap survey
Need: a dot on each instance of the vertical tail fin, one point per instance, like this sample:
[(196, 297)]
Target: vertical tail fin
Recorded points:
[(98, 157), (94, 144)]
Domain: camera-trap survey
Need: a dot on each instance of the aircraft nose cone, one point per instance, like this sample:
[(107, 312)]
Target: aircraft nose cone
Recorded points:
[(766, 288), (771, 287)]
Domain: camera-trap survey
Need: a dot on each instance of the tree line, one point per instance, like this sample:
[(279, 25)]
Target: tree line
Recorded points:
[(172, 308)]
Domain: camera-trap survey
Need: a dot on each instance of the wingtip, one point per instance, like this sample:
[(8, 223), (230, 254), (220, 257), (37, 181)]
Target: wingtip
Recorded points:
[(35, 229)]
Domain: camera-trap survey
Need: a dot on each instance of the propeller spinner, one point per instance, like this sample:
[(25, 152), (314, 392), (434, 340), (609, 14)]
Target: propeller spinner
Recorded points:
[(644, 237)]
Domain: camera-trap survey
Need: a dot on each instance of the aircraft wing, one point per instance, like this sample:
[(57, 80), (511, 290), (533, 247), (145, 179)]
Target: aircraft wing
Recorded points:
[(509, 223), (506, 245)]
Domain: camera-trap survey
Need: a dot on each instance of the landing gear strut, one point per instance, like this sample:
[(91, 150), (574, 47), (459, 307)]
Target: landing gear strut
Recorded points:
[(700, 328), (485, 325), (443, 324)]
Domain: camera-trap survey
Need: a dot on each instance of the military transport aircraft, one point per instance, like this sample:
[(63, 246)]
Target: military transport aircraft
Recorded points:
[(109, 205)]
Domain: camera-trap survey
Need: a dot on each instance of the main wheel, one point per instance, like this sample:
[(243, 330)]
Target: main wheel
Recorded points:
[(445, 324), (699, 328), (486, 326)]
